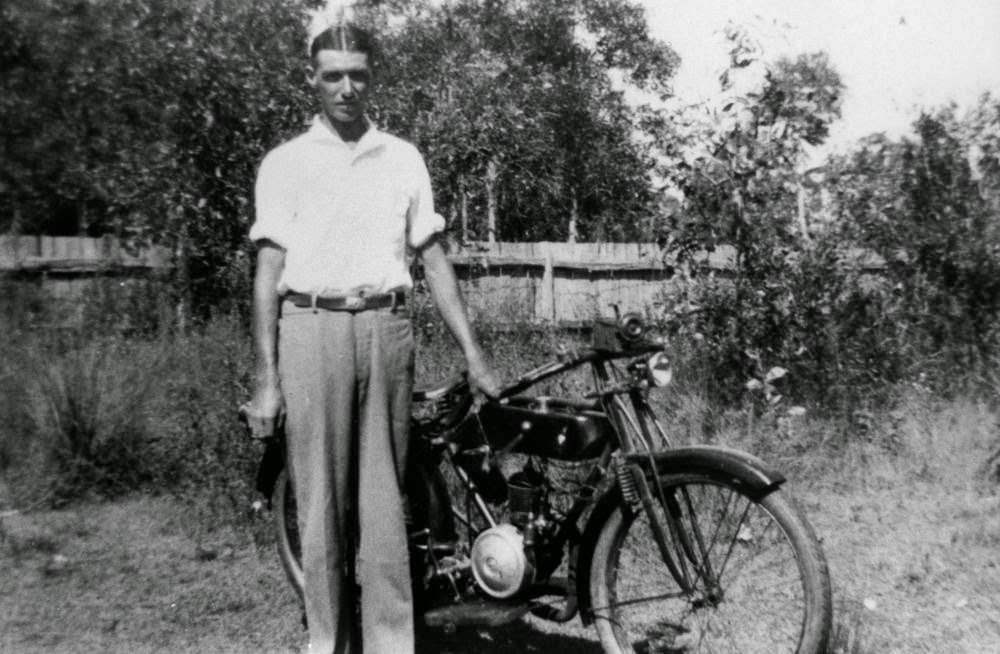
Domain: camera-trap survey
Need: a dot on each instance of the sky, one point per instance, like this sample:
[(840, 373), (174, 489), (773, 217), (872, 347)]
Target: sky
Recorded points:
[(894, 56)]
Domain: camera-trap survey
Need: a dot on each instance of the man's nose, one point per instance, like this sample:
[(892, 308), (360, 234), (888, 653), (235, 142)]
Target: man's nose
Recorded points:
[(347, 86)]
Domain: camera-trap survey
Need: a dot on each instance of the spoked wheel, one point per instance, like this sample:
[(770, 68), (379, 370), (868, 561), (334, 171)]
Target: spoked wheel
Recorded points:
[(286, 524), (760, 582)]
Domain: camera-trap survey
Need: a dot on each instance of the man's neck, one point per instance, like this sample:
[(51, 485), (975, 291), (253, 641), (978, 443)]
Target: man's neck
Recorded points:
[(349, 133)]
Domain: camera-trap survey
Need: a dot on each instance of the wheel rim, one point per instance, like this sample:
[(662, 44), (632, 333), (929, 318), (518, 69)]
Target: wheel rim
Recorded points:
[(287, 527), (753, 599)]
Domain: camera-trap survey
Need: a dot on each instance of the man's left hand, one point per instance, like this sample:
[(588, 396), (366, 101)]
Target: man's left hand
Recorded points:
[(482, 378)]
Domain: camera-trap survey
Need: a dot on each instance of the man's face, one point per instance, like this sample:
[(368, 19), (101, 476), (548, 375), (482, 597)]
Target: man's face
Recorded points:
[(342, 80)]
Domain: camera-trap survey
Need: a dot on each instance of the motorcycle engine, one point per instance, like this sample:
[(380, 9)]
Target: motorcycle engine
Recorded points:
[(499, 563)]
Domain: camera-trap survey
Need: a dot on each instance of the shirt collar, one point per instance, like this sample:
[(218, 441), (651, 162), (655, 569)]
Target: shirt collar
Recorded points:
[(372, 139)]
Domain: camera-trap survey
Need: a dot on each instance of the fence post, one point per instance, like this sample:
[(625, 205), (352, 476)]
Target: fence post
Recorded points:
[(545, 308)]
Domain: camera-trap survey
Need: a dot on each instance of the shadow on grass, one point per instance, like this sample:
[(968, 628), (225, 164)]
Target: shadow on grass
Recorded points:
[(515, 637)]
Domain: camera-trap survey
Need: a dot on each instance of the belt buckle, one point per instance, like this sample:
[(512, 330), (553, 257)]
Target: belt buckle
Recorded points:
[(353, 302)]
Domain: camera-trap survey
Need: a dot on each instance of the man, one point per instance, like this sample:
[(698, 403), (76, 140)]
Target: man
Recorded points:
[(337, 208)]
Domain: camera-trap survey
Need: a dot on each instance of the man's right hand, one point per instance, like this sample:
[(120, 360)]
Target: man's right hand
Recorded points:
[(265, 412)]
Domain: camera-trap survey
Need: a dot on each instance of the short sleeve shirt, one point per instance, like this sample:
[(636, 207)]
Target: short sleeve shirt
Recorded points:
[(344, 216)]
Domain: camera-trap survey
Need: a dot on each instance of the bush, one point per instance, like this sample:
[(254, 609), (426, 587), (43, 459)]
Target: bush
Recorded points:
[(86, 410)]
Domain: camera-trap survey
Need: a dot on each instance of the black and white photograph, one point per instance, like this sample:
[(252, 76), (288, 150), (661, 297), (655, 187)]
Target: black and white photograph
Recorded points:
[(488, 326)]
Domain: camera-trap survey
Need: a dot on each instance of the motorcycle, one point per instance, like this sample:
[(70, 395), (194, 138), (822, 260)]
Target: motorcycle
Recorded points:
[(659, 548)]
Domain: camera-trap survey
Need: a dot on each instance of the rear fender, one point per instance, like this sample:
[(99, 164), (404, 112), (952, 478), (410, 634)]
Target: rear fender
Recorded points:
[(757, 478)]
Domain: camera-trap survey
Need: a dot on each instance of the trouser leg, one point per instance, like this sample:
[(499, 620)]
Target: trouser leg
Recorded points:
[(384, 409), (317, 361)]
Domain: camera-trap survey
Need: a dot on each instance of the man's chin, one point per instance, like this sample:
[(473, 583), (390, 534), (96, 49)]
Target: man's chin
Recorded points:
[(342, 116)]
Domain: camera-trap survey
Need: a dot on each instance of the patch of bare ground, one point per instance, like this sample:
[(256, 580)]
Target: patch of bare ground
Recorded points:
[(129, 577), (912, 536)]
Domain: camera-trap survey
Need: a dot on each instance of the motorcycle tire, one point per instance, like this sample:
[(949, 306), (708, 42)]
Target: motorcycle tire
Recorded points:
[(761, 582), (285, 515)]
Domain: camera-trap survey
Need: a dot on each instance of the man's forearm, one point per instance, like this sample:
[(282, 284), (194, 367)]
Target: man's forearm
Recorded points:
[(444, 288), (270, 262)]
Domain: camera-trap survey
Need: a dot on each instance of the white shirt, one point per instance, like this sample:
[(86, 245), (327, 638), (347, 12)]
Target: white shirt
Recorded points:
[(344, 215)]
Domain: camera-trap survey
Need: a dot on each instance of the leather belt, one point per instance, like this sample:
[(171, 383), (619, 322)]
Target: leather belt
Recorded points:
[(353, 303)]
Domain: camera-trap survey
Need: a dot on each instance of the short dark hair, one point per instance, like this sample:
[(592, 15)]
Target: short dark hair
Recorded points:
[(346, 37)]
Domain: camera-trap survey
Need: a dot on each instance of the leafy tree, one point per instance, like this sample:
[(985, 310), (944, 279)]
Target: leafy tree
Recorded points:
[(148, 118), (917, 203), (738, 167), (518, 114)]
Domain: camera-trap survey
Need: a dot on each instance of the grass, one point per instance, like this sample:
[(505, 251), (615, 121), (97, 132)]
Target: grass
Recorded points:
[(899, 493)]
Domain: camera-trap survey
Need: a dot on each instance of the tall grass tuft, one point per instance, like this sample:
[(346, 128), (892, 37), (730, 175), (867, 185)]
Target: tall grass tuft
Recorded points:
[(87, 416)]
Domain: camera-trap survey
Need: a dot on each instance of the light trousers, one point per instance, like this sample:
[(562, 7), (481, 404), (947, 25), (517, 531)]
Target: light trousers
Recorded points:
[(347, 379)]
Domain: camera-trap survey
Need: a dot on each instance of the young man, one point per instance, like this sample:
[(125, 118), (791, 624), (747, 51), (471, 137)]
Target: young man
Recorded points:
[(337, 209)]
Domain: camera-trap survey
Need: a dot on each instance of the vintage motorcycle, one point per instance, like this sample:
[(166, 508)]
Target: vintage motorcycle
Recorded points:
[(660, 548)]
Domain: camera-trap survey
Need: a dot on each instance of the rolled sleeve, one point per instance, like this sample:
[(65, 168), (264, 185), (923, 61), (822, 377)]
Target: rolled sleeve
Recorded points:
[(274, 203), (422, 221)]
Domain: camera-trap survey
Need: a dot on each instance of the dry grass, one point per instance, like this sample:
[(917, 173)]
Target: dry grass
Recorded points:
[(910, 533)]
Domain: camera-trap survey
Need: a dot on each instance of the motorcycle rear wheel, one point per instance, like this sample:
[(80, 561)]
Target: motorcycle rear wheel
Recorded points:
[(285, 515), (765, 587)]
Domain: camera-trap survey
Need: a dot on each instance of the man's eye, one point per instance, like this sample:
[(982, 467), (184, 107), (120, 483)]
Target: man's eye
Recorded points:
[(332, 77), (359, 77)]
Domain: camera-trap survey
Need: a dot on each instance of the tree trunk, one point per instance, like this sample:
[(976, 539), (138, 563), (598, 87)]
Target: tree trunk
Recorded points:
[(574, 218), (491, 201), (463, 208), (803, 223)]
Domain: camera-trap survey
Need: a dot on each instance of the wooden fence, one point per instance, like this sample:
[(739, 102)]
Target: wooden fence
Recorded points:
[(74, 256), (560, 282), (566, 282)]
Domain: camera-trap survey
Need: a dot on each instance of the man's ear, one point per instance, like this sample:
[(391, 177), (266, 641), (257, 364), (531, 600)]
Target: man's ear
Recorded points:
[(310, 75)]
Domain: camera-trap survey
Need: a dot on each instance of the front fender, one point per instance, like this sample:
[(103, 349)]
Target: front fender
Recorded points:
[(744, 468), (748, 471)]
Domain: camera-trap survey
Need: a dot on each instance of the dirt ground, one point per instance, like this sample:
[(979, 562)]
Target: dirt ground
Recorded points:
[(915, 569), (912, 536)]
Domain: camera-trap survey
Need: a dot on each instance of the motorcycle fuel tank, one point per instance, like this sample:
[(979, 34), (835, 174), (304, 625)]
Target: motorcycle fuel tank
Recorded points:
[(539, 427)]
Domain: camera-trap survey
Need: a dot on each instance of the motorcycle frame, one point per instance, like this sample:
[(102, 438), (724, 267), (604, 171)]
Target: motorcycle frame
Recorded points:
[(609, 396)]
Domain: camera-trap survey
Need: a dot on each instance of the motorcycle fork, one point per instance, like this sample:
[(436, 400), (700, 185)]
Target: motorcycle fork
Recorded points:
[(677, 549), (692, 551)]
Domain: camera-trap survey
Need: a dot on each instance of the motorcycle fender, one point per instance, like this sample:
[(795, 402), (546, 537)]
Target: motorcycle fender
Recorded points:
[(746, 469), (272, 462)]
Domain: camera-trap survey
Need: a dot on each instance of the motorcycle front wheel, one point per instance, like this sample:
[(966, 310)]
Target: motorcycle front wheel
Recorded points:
[(760, 581)]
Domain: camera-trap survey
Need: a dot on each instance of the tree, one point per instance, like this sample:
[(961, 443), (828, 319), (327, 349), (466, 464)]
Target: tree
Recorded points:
[(738, 168), (147, 119), (515, 110), (917, 203)]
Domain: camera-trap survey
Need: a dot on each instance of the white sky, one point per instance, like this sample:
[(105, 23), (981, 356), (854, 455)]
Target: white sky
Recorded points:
[(894, 56)]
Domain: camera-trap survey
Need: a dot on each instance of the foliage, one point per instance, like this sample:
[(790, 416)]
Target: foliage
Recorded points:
[(86, 413), (738, 169), (917, 204), (148, 119), (522, 89), (808, 299)]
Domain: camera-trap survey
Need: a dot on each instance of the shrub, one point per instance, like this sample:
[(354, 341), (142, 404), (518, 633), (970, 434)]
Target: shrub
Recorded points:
[(87, 413)]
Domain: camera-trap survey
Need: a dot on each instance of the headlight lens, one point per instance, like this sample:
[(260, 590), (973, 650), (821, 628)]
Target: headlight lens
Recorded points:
[(660, 371)]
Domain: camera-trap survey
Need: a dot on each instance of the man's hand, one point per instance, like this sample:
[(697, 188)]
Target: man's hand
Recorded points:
[(482, 377), (265, 412)]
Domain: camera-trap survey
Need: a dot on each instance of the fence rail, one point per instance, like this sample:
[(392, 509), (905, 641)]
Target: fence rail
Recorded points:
[(566, 282), (546, 281), (75, 255)]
